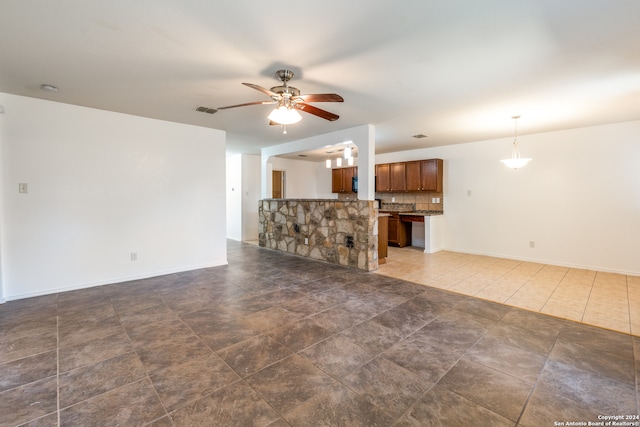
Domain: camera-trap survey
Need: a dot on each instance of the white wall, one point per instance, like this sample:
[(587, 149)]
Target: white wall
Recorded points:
[(234, 197), (362, 136), (578, 200), (302, 178), (2, 298), (250, 196), (243, 193), (103, 185)]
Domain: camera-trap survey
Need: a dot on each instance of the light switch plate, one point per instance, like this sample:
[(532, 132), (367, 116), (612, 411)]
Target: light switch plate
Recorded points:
[(23, 187)]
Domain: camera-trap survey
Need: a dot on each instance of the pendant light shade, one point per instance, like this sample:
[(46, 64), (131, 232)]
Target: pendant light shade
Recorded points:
[(327, 163), (516, 162)]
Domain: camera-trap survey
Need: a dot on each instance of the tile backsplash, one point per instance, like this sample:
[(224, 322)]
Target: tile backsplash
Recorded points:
[(422, 201)]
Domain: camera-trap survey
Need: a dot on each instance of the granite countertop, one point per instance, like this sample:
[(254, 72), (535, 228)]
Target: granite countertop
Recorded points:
[(425, 213), (387, 212), (406, 209)]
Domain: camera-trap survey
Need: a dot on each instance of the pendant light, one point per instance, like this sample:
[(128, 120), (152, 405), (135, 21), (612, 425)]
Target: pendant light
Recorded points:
[(516, 161)]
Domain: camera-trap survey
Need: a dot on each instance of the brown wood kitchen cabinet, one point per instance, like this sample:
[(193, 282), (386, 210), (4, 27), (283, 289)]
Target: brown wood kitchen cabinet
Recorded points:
[(391, 177), (341, 179), (383, 182), (383, 235), (424, 175), (398, 177), (399, 232)]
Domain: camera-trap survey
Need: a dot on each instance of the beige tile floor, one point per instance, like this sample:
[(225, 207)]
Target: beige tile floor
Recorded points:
[(607, 300)]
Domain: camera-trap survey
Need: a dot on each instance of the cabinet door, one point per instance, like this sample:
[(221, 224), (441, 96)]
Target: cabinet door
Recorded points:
[(431, 171), (414, 183), (394, 222), (336, 180), (383, 236), (347, 176), (398, 177), (404, 234), (383, 182)]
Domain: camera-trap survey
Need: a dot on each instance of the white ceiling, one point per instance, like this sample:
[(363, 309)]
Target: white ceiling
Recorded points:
[(455, 70)]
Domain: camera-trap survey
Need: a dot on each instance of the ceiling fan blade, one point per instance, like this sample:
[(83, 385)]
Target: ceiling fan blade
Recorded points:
[(316, 111), (247, 103), (319, 97), (263, 90)]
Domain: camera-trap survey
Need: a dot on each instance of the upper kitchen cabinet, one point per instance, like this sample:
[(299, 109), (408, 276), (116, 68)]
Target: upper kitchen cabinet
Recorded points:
[(342, 179), (383, 180), (391, 177), (424, 175)]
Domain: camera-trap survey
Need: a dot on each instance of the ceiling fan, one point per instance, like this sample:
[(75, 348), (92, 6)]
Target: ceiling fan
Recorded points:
[(288, 99)]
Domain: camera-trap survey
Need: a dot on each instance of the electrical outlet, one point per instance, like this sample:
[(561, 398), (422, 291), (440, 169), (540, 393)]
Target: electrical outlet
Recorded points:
[(134, 256), (306, 240), (393, 200), (532, 244)]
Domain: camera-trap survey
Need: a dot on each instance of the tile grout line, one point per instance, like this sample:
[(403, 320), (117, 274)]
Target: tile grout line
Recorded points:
[(146, 371), (437, 381), (57, 362), (554, 290), (626, 282), (539, 376), (584, 312), (549, 298)]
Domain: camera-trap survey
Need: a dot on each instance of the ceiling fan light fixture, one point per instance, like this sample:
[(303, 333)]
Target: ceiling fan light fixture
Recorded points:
[(285, 116), (516, 162)]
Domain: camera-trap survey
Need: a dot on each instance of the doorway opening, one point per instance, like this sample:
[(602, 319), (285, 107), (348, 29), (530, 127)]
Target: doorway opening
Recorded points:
[(277, 184)]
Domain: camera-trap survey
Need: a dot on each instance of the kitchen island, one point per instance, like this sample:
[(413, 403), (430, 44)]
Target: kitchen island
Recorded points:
[(406, 226), (342, 232), (432, 221)]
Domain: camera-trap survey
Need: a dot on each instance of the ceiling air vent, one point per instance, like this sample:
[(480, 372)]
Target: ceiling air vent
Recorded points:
[(420, 135), (206, 110)]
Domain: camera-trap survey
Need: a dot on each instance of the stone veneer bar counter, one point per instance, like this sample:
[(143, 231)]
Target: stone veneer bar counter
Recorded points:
[(343, 232)]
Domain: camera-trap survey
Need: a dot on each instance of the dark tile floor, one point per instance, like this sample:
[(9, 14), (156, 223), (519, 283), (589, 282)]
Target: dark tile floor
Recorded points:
[(277, 340)]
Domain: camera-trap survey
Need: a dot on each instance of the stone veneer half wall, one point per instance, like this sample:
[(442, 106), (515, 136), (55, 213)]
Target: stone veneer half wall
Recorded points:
[(335, 231)]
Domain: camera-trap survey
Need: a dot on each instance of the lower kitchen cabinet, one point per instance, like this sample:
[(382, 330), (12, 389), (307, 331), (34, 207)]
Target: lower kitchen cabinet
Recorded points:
[(383, 235), (399, 232)]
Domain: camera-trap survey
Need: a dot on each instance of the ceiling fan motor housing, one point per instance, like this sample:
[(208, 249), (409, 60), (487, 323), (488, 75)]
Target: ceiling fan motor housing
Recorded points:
[(293, 91), (284, 75)]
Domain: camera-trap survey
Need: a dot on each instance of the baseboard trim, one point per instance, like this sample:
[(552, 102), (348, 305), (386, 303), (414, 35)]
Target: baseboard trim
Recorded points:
[(111, 281)]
